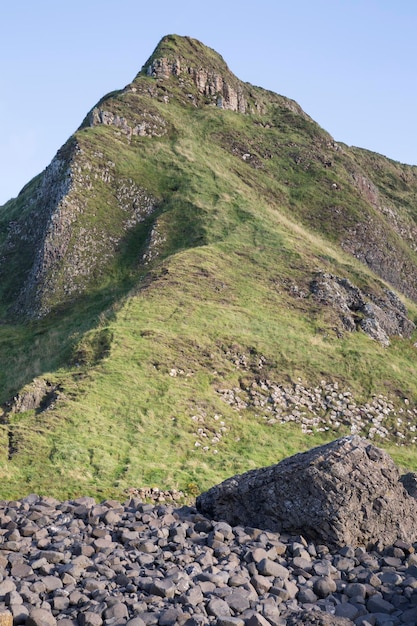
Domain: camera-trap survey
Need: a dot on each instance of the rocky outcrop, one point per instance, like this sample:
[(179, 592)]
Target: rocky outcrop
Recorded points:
[(372, 243), (65, 242), (379, 317), (202, 70), (347, 492), (208, 82), (145, 124), (40, 395)]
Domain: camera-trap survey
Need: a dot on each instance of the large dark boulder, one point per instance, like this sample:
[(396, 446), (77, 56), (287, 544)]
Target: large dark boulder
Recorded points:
[(347, 492)]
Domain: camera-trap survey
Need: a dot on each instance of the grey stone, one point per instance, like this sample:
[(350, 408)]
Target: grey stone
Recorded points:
[(306, 596), (410, 616), (266, 567), (356, 589), (343, 564), (6, 586), (118, 610), (238, 601), (171, 617), (51, 583), (164, 588), (300, 562), (20, 613), (52, 556), (324, 586), (193, 596), (40, 617), (382, 317), (230, 621), (135, 621), (218, 608), (257, 620), (346, 609), (323, 568), (89, 618), (261, 583), (377, 604)]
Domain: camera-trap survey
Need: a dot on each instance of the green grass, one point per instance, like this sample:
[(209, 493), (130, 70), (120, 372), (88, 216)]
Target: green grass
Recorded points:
[(140, 351)]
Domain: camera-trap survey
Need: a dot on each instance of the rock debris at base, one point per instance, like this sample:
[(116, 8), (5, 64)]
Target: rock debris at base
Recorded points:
[(87, 564), (346, 492)]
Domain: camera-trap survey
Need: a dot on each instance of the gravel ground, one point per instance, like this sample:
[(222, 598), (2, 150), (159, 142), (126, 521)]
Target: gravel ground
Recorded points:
[(79, 562)]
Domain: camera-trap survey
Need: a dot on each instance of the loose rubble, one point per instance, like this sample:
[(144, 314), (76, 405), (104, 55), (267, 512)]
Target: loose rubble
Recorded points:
[(325, 407), (88, 564)]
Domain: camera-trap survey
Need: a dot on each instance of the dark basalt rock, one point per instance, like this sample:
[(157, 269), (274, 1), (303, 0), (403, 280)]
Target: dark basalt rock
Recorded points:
[(379, 317), (347, 492)]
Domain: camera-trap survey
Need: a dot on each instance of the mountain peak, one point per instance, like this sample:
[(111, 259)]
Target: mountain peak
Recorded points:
[(199, 69), (191, 51)]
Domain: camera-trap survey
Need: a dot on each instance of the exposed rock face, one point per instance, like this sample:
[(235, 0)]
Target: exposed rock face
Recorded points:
[(39, 395), (193, 64), (64, 244), (147, 124), (380, 318), (209, 83), (370, 242), (347, 492)]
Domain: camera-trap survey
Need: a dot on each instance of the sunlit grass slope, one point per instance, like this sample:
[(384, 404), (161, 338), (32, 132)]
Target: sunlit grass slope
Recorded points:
[(138, 361)]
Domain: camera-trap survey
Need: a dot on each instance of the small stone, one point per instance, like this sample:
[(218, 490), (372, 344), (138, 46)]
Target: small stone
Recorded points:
[(266, 567), (345, 609), (20, 614), (218, 608), (324, 586), (262, 584), (164, 588), (257, 620), (230, 621), (51, 583), (6, 618), (374, 581), (89, 618), (41, 617), (355, 590), (6, 586), (300, 562), (148, 547), (53, 557), (21, 570), (343, 564), (170, 617), (377, 604), (391, 578), (238, 601), (306, 596), (135, 621)]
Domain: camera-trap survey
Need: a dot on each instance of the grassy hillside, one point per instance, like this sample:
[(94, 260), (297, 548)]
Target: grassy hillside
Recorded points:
[(168, 294)]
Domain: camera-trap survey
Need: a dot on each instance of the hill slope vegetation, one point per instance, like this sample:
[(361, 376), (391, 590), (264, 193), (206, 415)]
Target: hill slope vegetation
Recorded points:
[(201, 282)]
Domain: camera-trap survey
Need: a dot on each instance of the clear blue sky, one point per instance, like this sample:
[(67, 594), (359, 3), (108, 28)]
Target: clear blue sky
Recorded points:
[(351, 64)]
